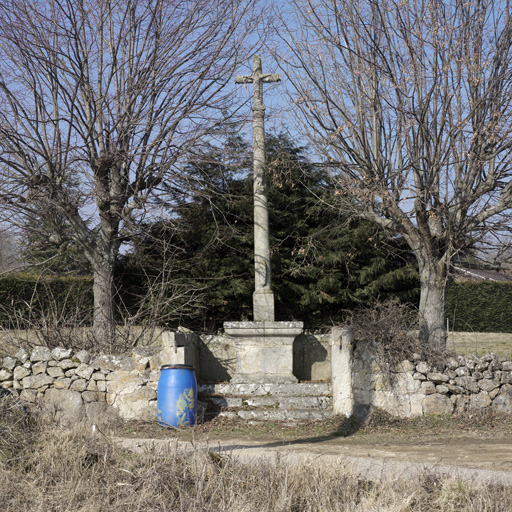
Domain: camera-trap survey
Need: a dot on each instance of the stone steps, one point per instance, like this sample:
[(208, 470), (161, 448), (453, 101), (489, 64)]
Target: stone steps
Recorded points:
[(268, 402)]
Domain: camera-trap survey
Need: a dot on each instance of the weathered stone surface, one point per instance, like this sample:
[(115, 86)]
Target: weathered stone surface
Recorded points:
[(83, 356), (40, 367), (9, 363), (480, 400), (494, 393), (487, 384), (79, 385), (67, 364), (437, 404), (40, 353), (438, 378), (66, 405), (428, 388), (59, 353), (36, 381), (489, 357), (92, 386), (481, 367), (22, 355), (92, 396), (5, 375), (468, 383), (487, 374), (62, 383), (101, 385), (494, 365), (55, 372), (125, 382), (461, 404), (405, 366), (84, 371), (462, 371), (110, 362), (98, 375), (423, 367), (451, 374), (419, 376), (71, 373), (442, 389), (506, 366), (503, 402), (478, 375), (452, 363), (506, 377), (29, 395), (456, 390)]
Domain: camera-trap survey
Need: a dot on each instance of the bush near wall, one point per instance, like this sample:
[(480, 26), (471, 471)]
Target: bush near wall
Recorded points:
[(479, 306), (27, 300)]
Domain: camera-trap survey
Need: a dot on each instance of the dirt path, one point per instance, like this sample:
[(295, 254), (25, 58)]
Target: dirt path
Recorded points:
[(466, 458)]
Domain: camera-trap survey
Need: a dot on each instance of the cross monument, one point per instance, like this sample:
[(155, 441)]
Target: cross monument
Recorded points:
[(263, 297), (264, 347)]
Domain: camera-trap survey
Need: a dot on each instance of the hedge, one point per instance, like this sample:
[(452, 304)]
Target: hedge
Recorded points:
[(479, 306)]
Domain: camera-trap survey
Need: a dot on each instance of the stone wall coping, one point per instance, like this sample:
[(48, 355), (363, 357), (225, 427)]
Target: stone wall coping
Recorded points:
[(263, 328)]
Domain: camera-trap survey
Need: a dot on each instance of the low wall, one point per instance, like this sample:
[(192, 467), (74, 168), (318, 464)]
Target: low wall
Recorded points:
[(76, 385), (414, 387)]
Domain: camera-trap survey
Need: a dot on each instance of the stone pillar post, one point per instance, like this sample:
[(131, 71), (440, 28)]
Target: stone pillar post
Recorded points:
[(342, 343)]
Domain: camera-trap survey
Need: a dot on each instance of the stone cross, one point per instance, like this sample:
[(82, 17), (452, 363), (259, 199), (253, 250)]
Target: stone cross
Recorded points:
[(263, 297)]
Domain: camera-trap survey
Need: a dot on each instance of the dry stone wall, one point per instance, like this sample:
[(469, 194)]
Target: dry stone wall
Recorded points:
[(415, 387), (76, 385)]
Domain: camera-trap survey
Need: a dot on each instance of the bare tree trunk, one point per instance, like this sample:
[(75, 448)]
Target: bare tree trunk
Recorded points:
[(432, 304), (103, 290)]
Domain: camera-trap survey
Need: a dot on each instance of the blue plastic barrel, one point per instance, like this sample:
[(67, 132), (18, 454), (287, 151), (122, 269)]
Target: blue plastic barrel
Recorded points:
[(177, 396)]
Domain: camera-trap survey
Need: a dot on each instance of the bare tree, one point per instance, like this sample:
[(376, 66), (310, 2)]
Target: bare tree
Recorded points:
[(99, 102), (410, 104)]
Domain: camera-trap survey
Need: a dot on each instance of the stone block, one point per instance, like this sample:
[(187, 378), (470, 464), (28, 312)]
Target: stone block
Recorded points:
[(59, 353), (506, 366), (79, 385), (40, 353), (62, 383), (92, 386), (442, 389), (66, 405), (22, 355), (480, 400), (423, 367), (463, 371), (438, 378), (55, 372), (67, 364), (488, 384), (419, 376), (98, 376), (20, 372), (113, 362), (40, 367), (437, 404), (101, 385), (29, 395), (84, 371), (494, 393), (452, 363), (36, 381), (71, 373), (468, 383), (428, 388), (83, 356), (8, 363), (5, 375)]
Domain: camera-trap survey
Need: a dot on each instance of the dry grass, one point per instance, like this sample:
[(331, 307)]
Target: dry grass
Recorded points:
[(45, 468), (480, 343)]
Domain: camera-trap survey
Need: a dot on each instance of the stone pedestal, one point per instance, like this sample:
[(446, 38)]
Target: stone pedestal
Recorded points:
[(264, 350)]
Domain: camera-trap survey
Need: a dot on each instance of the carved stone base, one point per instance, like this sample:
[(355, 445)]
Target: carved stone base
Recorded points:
[(264, 350)]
